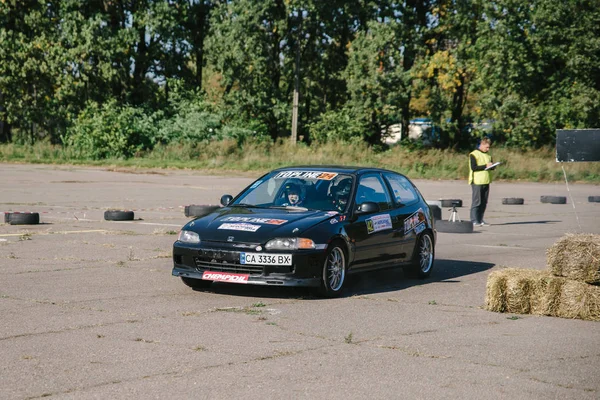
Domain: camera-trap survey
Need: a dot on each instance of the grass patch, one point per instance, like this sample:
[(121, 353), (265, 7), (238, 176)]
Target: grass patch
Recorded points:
[(538, 165), (243, 310), (348, 338)]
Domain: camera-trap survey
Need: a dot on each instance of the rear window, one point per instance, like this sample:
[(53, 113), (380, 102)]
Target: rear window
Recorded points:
[(402, 190)]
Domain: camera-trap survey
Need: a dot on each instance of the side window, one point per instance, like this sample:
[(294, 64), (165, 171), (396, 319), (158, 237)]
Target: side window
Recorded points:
[(372, 188), (403, 191)]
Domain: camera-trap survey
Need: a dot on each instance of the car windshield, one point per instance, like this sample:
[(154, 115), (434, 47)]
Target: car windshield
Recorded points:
[(314, 190)]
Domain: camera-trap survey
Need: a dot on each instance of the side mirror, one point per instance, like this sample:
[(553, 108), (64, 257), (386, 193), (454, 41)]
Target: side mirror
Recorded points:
[(368, 207), (226, 199)]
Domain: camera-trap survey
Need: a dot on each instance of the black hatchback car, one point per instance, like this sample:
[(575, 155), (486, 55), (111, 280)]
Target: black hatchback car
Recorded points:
[(309, 226)]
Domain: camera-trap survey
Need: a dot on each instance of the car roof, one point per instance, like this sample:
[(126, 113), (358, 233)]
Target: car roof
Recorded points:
[(334, 168)]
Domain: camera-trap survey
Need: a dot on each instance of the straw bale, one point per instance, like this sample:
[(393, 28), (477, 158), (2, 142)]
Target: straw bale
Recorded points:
[(579, 300), (495, 293), (577, 257), (521, 293), (515, 290), (526, 291)]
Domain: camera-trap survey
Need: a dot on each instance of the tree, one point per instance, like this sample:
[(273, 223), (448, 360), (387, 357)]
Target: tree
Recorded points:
[(381, 59)]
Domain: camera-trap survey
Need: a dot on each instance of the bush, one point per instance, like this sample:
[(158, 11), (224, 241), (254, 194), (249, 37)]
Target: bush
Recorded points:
[(192, 126), (337, 126), (110, 131)]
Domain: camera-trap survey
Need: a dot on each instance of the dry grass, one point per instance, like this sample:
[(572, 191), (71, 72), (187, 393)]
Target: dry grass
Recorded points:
[(577, 257), (420, 163)]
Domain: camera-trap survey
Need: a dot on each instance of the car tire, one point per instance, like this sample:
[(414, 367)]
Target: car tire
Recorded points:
[(454, 226), (118, 215), (594, 199), (423, 257), (448, 202), (196, 284), (513, 200), (18, 218), (436, 211), (194, 210), (334, 271), (554, 199)]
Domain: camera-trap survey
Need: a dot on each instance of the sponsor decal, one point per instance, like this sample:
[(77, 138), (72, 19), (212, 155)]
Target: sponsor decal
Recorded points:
[(270, 221), (419, 228), (240, 227), (333, 221), (225, 277), (416, 221), (327, 176), (331, 213), (379, 223)]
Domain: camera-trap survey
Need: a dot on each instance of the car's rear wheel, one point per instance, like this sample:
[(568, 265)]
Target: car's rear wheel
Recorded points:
[(423, 257), (196, 283), (334, 271)]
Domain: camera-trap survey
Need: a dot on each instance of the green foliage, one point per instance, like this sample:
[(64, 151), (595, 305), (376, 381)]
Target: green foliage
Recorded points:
[(337, 126), (181, 71), (110, 131)]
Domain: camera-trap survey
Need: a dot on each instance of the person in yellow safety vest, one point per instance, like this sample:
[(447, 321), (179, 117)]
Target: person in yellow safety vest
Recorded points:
[(480, 179)]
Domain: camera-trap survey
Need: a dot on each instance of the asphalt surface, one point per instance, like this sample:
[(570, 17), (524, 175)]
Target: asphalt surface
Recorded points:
[(90, 310)]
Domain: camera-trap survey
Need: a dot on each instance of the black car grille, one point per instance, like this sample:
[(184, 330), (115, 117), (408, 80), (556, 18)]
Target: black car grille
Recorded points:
[(227, 267)]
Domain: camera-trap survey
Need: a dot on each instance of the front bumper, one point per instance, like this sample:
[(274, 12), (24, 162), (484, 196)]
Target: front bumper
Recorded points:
[(191, 262)]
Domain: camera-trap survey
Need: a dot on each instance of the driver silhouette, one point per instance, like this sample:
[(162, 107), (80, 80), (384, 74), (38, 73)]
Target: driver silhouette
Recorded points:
[(341, 193), (293, 195)]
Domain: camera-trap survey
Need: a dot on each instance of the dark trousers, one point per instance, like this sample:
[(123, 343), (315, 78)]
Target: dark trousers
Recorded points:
[(479, 202)]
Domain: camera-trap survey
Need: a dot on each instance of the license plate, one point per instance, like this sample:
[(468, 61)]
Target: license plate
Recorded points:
[(265, 259), (225, 277)]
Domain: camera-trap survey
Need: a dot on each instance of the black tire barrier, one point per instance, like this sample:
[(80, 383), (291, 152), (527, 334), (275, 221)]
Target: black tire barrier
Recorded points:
[(513, 200), (554, 199), (194, 210), (454, 226), (436, 211), (594, 199), (22, 218), (448, 202), (118, 215)]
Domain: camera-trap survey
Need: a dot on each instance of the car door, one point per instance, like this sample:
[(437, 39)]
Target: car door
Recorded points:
[(406, 214), (372, 234)]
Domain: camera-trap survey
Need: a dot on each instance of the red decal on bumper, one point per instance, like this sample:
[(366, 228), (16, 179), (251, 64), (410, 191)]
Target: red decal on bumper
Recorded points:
[(225, 277)]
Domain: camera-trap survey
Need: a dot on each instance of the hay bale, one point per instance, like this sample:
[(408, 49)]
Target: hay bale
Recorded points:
[(579, 300), (516, 290), (495, 291), (521, 293), (577, 257), (525, 291)]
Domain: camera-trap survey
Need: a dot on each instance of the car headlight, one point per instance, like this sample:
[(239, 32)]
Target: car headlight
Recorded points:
[(289, 244), (188, 237)]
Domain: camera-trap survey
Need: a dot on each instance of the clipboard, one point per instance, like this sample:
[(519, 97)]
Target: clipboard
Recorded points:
[(494, 165)]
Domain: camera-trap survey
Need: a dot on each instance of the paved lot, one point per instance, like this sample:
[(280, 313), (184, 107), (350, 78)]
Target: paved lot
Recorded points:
[(89, 308)]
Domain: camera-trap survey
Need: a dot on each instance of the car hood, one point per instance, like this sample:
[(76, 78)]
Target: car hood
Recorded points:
[(255, 225)]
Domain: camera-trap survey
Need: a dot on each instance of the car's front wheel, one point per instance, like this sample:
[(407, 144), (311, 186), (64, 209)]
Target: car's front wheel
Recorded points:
[(423, 256), (334, 271), (196, 283)]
